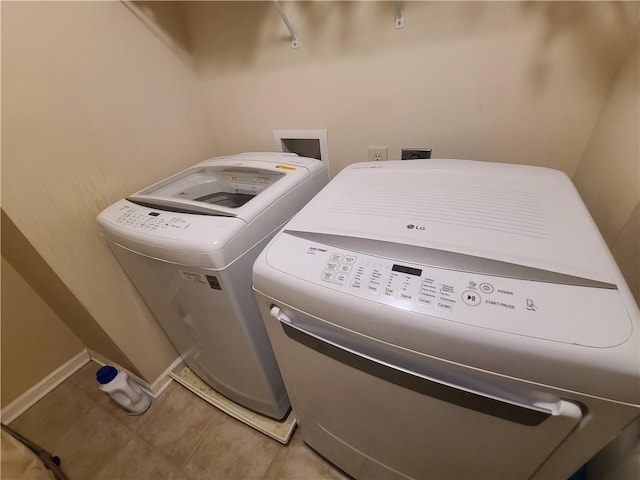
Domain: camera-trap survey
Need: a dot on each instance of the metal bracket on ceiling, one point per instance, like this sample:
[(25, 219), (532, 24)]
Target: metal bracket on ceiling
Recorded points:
[(295, 43), (399, 20)]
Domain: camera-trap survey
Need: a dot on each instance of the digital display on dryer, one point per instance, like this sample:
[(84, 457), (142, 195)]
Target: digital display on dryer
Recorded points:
[(408, 270)]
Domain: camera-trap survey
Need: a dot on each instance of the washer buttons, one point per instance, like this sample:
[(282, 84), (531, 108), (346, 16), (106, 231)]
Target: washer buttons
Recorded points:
[(486, 288), (340, 278), (444, 306), (344, 268), (471, 298), (335, 257), (327, 276), (331, 266)]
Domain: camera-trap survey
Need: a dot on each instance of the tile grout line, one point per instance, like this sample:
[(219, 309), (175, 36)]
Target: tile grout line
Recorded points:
[(77, 421), (230, 418), (140, 438), (273, 459), (196, 445), (122, 448), (115, 415), (15, 423), (132, 429), (84, 392)]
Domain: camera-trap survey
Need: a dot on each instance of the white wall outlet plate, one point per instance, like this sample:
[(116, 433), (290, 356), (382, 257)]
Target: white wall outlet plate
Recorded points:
[(378, 154)]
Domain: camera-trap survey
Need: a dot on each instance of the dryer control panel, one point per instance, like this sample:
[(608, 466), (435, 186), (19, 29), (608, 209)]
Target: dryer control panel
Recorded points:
[(514, 305)]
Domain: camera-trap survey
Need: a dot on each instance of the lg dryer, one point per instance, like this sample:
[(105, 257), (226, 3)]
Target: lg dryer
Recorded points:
[(451, 319), (188, 244)]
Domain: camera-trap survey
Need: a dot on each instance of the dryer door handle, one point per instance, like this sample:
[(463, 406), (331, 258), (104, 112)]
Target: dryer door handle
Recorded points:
[(491, 404), (278, 315)]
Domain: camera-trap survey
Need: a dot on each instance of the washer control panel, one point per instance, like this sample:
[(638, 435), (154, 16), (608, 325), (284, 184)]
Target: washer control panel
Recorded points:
[(151, 221), (514, 305), (415, 284)]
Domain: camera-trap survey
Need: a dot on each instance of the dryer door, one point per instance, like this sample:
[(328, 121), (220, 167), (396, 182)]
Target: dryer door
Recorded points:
[(378, 419)]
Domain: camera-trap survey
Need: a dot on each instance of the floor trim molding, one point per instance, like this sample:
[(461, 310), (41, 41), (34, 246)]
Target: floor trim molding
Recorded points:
[(165, 379), (44, 386), (29, 398)]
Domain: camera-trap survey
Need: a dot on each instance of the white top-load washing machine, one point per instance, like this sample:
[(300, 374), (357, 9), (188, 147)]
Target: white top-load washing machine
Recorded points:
[(188, 244), (451, 319)]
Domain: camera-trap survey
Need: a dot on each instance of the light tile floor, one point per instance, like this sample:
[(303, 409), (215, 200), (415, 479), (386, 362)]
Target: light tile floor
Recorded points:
[(179, 437)]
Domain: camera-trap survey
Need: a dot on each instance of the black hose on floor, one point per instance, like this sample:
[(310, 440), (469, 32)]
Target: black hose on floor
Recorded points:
[(50, 461)]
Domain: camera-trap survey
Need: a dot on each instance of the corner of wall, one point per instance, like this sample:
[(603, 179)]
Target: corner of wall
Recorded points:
[(607, 175), (22, 256)]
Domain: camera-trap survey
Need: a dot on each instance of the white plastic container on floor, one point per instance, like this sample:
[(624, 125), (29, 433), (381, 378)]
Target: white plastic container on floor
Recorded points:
[(123, 390)]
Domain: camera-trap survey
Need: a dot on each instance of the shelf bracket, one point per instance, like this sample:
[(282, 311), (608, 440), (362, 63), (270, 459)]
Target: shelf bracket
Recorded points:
[(295, 43), (399, 20)]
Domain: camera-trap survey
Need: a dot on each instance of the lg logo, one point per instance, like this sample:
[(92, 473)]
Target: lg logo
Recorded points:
[(411, 226)]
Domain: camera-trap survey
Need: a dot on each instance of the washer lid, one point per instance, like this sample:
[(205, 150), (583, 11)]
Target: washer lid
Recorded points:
[(235, 186), (516, 214)]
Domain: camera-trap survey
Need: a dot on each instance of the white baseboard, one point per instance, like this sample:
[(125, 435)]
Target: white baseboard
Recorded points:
[(44, 386), (164, 380), (55, 378)]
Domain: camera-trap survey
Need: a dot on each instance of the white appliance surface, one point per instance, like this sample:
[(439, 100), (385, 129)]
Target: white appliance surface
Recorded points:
[(511, 213), (449, 303), (188, 244), (223, 186)]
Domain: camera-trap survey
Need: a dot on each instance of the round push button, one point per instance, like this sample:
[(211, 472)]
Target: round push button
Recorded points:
[(486, 288), (471, 298)]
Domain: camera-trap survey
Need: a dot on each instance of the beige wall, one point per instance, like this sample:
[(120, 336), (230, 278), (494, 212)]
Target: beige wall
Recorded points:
[(34, 340), (609, 174), (30, 265), (608, 177), (94, 106), (626, 251), (518, 82)]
